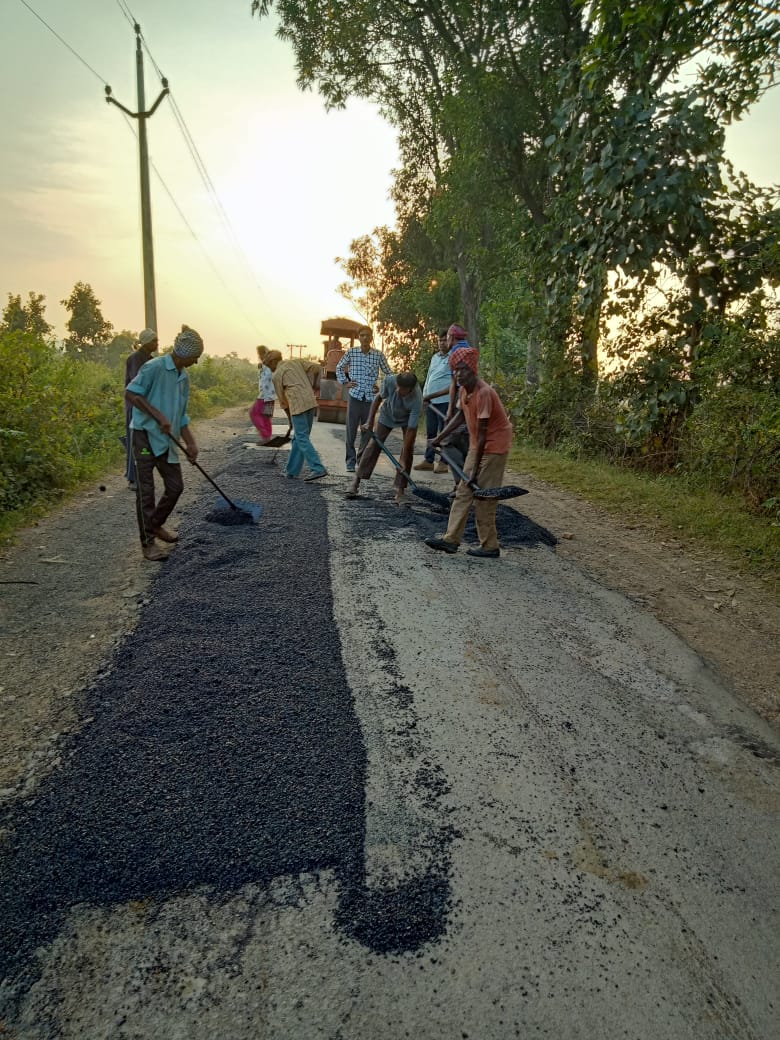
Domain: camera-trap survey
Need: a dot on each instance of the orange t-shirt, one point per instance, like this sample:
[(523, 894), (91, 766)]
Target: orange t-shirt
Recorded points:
[(484, 403)]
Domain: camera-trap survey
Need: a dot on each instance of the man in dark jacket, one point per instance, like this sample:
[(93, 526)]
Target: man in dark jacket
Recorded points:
[(147, 345)]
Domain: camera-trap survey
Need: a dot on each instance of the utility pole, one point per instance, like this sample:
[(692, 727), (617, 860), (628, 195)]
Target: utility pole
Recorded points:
[(147, 244)]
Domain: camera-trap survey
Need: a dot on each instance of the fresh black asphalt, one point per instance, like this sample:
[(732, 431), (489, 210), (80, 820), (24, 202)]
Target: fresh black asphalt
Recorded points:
[(222, 745)]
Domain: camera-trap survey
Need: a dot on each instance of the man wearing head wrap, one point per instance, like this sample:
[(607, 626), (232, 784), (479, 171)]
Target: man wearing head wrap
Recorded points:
[(294, 382), (490, 433), (159, 395), (147, 345)]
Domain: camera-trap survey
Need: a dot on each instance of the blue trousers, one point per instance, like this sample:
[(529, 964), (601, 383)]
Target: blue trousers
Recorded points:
[(302, 450)]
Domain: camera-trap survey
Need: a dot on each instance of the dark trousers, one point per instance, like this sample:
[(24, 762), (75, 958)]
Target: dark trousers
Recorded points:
[(435, 418), (357, 413), (130, 463), (153, 515)]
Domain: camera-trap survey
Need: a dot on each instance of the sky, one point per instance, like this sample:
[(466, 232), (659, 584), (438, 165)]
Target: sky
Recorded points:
[(297, 183)]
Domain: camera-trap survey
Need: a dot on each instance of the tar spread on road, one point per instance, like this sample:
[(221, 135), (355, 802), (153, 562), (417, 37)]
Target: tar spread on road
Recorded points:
[(229, 754)]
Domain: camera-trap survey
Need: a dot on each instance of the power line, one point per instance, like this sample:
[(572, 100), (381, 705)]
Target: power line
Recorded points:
[(250, 322), (203, 172), (189, 141), (126, 12), (65, 43)]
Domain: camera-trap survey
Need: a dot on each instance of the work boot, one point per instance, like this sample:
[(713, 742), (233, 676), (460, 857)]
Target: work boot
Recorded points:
[(166, 536), (423, 465), (153, 552), (485, 554), (442, 545), (441, 467)]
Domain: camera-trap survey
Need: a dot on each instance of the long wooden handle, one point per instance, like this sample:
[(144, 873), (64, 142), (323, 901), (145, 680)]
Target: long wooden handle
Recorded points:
[(197, 466)]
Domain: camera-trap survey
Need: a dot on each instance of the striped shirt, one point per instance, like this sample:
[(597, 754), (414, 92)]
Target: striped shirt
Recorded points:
[(362, 369)]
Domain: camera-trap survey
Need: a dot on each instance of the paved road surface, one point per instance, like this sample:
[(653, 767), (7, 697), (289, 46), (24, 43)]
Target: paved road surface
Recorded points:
[(339, 786)]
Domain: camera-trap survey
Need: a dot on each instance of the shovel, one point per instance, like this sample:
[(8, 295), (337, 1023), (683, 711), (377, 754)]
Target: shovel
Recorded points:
[(434, 498), (500, 493), (241, 512)]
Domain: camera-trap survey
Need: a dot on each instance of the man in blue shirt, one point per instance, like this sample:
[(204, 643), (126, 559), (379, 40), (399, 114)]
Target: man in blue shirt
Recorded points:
[(359, 371), (436, 398), (159, 395)]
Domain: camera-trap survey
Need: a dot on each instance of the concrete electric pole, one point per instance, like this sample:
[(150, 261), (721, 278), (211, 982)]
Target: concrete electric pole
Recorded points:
[(150, 300)]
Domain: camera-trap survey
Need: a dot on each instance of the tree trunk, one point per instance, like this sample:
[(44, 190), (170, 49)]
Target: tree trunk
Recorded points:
[(589, 343), (533, 352)]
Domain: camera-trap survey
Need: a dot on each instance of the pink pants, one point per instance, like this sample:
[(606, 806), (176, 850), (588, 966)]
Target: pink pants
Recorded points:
[(262, 423)]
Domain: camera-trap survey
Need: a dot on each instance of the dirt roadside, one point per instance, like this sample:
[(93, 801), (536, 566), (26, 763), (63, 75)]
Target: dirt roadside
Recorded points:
[(73, 585)]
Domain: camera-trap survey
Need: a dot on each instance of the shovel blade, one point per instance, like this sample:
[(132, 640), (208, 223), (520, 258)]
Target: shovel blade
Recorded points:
[(501, 493)]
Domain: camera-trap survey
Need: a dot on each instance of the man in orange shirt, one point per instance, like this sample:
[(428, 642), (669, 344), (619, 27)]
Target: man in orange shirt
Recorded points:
[(490, 433)]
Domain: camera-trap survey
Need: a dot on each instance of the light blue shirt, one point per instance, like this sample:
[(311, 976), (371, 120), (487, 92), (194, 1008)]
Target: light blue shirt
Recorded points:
[(168, 390), (439, 378)]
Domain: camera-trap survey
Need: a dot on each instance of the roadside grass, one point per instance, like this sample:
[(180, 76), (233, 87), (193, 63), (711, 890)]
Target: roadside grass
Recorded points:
[(672, 505)]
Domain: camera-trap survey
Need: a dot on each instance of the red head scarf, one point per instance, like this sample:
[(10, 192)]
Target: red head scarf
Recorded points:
[(465, 356)]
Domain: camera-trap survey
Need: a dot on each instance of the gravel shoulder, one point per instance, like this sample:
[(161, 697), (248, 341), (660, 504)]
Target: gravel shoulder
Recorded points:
[(73, 584)]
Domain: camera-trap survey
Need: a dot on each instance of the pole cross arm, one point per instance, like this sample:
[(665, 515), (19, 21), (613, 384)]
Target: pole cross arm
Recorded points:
[(111, 100)]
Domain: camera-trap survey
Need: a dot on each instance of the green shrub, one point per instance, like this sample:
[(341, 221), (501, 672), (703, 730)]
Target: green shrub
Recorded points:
[(62, 419)]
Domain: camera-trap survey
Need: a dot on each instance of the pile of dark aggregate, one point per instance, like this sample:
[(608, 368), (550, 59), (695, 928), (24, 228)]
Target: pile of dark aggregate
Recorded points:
[(421, 521), (222, 746)]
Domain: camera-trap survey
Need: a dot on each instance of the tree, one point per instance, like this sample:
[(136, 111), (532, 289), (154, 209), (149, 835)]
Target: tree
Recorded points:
[(89, 330), (18, 317), (639, 146), (122, 344), (437, 72)]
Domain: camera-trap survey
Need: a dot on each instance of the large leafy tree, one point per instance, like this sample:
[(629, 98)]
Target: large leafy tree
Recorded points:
[(639, 146), (469, 86), (89, 331), (26, 317)]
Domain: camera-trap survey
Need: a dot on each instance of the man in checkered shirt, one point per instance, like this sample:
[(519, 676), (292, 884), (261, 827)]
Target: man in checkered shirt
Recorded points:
[(359, 371)]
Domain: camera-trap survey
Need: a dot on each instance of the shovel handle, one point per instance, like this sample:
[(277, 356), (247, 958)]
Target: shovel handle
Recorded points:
[(197, 466), (394, 460), (461, 473)]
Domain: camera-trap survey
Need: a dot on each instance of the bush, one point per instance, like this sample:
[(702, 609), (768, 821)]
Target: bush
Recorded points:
[(732, 443), (60, 419)]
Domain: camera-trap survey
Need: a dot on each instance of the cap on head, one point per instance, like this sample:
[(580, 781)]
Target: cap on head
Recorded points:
[(271, 356), (146, 337), (457, 332), (188, 343), (465, 356)]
